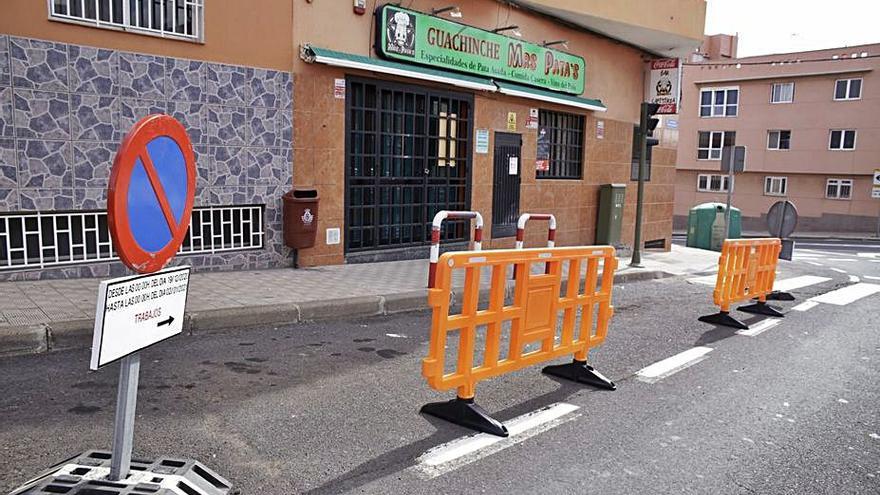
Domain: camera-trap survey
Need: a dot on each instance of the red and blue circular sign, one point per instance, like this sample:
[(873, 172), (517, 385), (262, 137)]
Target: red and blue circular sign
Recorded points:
[(151, 193)]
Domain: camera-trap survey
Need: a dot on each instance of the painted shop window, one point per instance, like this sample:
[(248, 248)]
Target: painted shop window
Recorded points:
[(709, 143), (167, 18), (565, 140), (782, 92), (838, 189), (778, 140), (719, 102), (636, 153), (848, 89), (842, 139), (712, 182), (775, 186)]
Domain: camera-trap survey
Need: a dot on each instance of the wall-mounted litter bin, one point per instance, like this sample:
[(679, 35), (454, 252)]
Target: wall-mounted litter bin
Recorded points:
[(706, 226), (300, 217), (608, 227)]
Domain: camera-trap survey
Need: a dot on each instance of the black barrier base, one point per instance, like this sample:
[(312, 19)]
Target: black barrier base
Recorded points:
[(465, 412), (779, 296), (581, 372), (761, 308), (724, 318)]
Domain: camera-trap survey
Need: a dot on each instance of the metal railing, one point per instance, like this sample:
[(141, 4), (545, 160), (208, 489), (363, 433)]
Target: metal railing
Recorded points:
[(31, 240), (166, 18)]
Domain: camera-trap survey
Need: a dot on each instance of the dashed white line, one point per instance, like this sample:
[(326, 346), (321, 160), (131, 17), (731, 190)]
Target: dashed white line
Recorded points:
[(760, 327), (838, 270), (848, 294), (798, 282), (671, 365), (814, 263), (843, 260), (462, 451), (805, 306), (871, 277)]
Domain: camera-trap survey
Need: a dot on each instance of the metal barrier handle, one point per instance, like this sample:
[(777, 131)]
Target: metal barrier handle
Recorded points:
[(435, 237), (521, 228)]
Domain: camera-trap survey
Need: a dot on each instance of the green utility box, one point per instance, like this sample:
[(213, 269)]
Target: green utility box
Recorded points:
[(706, 226), (611, 197)]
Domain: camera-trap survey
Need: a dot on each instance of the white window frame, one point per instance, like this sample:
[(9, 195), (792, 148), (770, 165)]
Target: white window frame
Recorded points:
[(723, 181), (849, 82), (778, 139), (780, 181), (842, 139), (780, 84), (838, 184), (710, 149), (712, 103), (133, 25)]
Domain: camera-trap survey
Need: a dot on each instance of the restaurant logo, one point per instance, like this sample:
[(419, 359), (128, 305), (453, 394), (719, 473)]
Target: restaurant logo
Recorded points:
[(400, 33)]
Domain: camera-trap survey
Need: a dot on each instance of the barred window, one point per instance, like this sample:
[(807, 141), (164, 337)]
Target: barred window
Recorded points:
[(166, 18), (564, 135)]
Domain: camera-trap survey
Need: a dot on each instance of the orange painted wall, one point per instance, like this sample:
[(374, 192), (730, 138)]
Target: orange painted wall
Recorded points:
[(236, 32)]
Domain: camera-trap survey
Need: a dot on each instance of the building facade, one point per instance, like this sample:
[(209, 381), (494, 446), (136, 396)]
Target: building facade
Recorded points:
[(73, 81), (406, 111), (285, 93), (809, 123)]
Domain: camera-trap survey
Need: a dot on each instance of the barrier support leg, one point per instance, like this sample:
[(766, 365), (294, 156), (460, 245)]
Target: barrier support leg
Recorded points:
[(465, 412), (761, 308), (724, 318), (581, 372), (777, 295)]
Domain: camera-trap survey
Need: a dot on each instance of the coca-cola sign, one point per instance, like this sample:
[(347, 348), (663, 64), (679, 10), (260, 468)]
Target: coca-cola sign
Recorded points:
[(664, 85)]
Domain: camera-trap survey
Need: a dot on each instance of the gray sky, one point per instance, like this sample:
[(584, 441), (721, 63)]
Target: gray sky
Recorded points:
[(778, 26)]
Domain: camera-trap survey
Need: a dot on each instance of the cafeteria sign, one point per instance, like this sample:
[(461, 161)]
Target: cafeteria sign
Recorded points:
[(413, 37)]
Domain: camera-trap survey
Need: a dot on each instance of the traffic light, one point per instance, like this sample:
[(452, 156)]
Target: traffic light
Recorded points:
[(651, 121)]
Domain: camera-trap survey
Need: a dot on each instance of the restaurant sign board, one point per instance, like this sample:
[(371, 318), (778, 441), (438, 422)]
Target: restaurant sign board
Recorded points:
[(413, 37)]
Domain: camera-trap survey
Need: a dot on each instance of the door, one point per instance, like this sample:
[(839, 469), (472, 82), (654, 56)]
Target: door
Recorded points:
[(408, 156), (505, 192)]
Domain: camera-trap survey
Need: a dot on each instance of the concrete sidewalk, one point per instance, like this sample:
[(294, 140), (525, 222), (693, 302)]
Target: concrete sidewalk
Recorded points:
[(36, 316)]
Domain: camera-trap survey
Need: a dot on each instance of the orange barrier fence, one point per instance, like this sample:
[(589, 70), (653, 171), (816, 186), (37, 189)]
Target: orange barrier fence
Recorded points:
[(746, 270), (539, 318)]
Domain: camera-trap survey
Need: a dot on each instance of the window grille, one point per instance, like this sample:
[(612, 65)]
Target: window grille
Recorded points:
[(47, 239), (166, 18), (565, 138)]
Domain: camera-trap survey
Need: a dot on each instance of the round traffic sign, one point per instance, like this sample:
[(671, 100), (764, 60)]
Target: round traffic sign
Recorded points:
[(151, 193), (782, 219)]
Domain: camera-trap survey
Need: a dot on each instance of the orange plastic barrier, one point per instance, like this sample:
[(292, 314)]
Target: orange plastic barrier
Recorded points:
[(533, 317), (746, 270)]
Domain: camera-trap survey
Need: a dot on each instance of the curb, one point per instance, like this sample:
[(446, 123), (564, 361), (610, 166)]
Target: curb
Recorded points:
[(77, 334)]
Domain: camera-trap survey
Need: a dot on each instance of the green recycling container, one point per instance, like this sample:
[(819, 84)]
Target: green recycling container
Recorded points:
[(608, 227), (706, 226)]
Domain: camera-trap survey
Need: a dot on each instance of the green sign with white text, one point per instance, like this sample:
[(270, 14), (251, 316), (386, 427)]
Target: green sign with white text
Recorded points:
[(413, 37)]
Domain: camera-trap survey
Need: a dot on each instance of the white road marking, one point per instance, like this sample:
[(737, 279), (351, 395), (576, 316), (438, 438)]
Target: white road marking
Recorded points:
[(465, 450), (805, 306), (814, 263), (396, 336), (671, 365), (854, 279), (871, 277), (868, 255), (798, 282), (831, 245), (844, 260), (838, 270), (848, 294), (760, 327), (707, 280)]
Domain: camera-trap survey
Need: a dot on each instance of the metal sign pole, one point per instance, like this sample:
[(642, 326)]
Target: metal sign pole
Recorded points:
[(727, 210), (123, 430)]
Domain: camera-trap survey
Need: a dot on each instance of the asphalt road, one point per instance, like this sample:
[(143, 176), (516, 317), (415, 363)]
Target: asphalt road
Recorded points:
[(333, 407)]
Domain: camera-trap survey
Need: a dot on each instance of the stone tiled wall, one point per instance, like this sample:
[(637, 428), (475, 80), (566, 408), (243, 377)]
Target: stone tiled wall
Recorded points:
[(65, 108)]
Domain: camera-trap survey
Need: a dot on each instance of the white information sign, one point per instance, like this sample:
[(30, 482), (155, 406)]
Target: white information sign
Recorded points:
[(664, 84), (877, 177), (482, 141), (136, 312), (875, 192), (513, 165)]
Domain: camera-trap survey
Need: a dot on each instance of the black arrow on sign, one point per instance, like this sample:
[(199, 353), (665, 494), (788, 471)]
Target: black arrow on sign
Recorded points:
[(165, 322)]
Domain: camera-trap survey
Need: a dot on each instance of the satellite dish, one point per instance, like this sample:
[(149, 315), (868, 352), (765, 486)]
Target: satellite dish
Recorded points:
[(782, 219)]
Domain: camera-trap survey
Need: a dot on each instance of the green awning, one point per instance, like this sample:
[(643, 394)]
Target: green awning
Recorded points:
[(314, 54), (549, 96), (352, 61)]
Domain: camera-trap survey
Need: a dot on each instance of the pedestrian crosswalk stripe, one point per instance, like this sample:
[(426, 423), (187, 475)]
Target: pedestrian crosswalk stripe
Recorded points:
[(848, 294), (798, 282), (674, 364)]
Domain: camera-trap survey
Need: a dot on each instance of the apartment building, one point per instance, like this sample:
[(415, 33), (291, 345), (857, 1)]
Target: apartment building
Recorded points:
[(810, 125)]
